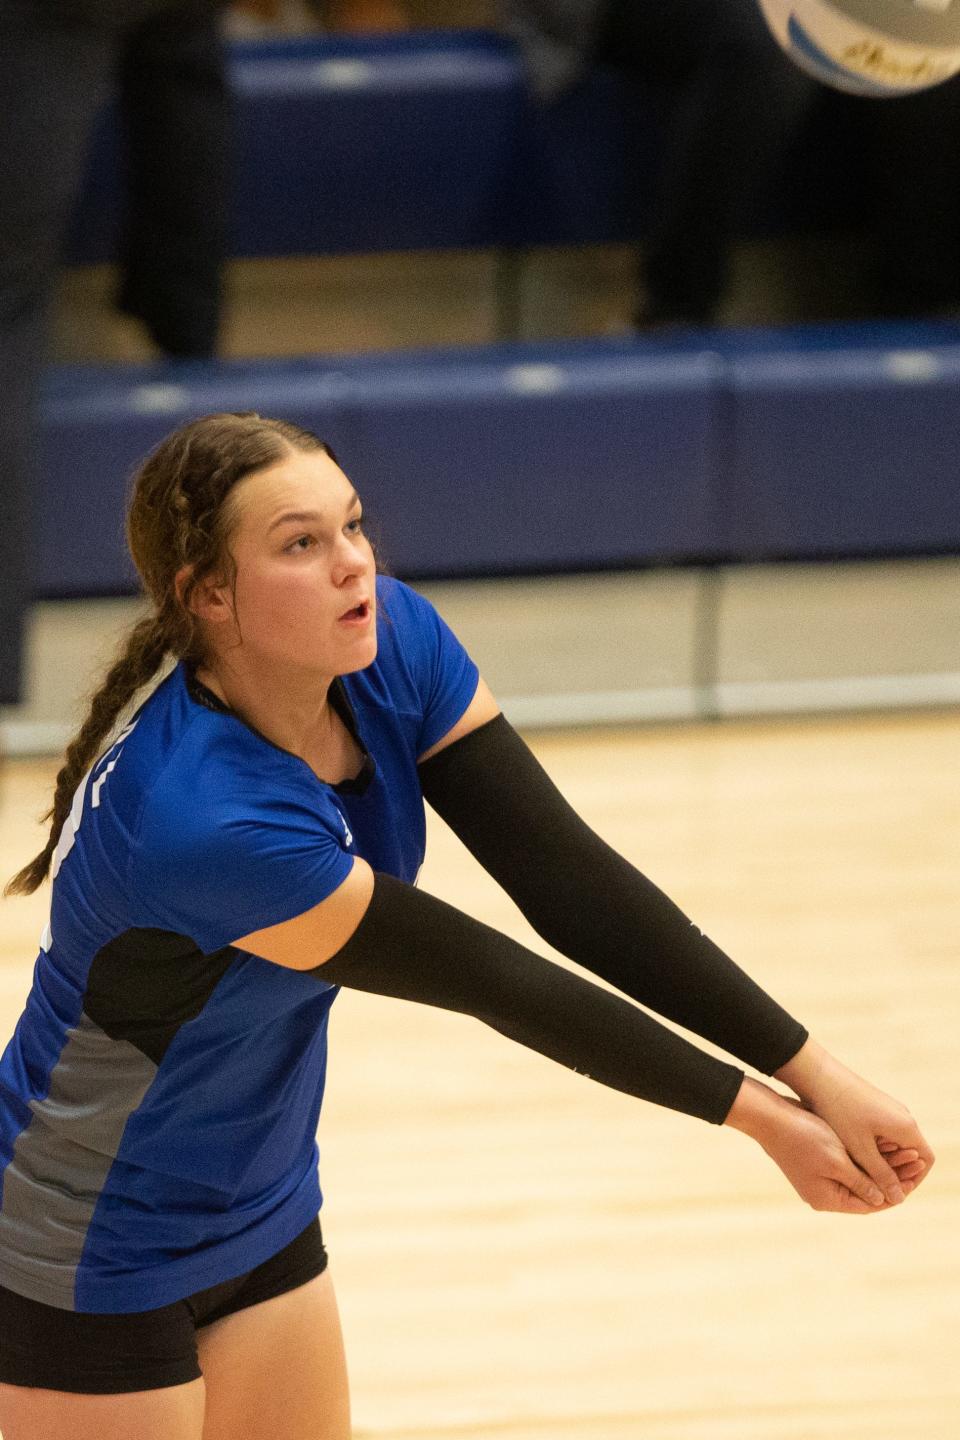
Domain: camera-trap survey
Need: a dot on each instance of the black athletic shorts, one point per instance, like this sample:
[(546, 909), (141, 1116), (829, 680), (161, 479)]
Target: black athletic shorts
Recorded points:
[(53, 1349)]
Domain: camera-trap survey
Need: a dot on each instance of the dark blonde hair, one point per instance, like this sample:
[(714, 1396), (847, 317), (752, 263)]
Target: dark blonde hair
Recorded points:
[(180, 515)]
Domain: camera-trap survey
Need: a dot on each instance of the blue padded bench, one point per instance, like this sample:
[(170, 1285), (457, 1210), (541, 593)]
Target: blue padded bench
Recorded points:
[(816, 441), (843, 441), (540, 458), (371, 144), (98, 422), (490, 461)]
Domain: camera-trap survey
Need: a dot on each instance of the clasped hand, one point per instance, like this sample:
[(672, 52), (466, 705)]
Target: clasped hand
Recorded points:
[(844, 1145)]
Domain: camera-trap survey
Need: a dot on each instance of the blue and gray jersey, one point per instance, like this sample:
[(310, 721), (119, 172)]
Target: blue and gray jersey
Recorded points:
[(160, 1096)]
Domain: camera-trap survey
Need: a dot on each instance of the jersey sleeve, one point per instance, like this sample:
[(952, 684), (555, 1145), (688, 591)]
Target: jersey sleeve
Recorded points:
[(443, 675), (220, 868)]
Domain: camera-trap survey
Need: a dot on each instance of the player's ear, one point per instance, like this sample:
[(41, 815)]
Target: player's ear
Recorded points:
[(210, 599)]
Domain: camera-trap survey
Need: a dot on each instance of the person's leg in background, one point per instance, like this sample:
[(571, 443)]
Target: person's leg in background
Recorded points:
[(912, 147), (54, 76), (176, 115), (734, 103)]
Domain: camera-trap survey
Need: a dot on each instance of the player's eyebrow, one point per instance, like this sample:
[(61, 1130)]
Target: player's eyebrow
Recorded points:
[(304, 517)]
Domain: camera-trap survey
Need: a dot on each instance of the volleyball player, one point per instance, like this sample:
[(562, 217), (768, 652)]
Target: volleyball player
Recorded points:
[(248, 842)]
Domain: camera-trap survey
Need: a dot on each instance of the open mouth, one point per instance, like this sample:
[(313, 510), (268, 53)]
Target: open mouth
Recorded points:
[(358, 613)]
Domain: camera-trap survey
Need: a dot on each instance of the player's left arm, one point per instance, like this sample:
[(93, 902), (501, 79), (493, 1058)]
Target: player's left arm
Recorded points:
[(586, 900), (593, 906)]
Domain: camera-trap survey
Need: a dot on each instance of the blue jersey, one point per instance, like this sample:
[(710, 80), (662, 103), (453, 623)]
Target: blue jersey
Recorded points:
[(160, 1096)]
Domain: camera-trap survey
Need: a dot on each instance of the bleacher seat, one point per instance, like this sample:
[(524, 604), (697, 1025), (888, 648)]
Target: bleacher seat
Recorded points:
[(844, 440), (816, 441), (487, 461), (98, 422), (353, 144), (528, 458)]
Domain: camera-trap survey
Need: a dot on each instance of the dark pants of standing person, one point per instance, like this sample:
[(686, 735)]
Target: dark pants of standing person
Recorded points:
[(734, 102), (911, 146), (59, 62)]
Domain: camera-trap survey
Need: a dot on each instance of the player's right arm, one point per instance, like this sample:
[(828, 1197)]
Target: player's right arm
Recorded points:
[(375, 933)]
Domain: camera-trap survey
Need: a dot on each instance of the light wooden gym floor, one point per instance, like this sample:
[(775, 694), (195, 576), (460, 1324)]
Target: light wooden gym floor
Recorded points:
[(523, 1255)]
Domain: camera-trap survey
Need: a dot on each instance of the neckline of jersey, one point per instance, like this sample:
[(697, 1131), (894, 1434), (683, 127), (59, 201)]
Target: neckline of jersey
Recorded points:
[(340, 701)]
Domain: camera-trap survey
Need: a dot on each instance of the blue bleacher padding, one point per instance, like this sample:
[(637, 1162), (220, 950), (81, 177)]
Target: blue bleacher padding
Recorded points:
[(844, 440), (99, 422), (821, 441), (528, 458), (353, 144), (430, 140), (380, 148), (478, 462)]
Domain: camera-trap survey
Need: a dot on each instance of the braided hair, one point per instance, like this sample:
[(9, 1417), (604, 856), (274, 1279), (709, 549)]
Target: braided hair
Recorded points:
[(181, 516)]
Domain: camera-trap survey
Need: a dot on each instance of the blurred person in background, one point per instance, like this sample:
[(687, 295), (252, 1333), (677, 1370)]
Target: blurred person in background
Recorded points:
[(60, 60), (734, 104), (910, 147)]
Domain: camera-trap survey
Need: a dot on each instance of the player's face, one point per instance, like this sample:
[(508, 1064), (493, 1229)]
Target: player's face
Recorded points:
[(305, 588)]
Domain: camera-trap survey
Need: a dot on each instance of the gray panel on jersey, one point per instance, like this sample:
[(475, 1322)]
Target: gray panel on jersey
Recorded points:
[(61, 1161)]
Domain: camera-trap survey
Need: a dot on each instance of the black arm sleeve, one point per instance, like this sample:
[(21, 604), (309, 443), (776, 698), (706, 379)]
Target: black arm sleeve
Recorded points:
[(414, 947), (592, 905)]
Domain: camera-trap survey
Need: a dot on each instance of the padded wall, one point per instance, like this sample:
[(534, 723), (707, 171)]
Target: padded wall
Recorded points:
[(497, 461), (518, 459), (848, 448)]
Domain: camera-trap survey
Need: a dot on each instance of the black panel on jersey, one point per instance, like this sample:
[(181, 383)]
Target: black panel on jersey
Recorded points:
[(414, 947), (592, 905), (145, 984)]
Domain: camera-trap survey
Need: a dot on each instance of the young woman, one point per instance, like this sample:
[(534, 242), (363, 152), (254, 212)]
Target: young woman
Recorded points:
[(248, 842)]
